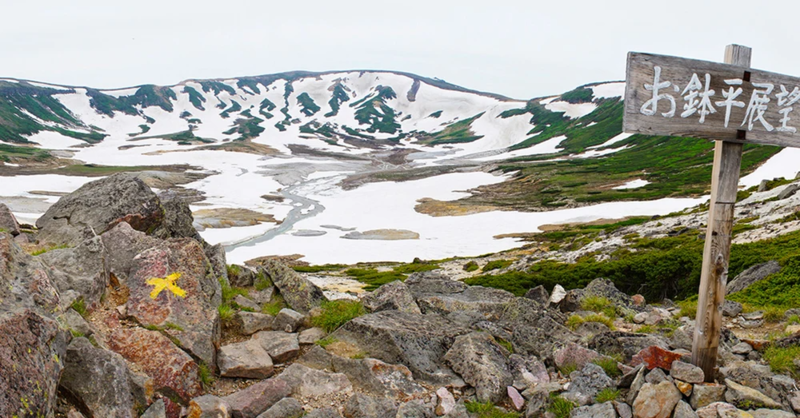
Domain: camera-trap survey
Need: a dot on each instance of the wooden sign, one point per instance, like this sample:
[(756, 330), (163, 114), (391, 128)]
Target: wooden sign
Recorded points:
[(729, 103), (682, 97)]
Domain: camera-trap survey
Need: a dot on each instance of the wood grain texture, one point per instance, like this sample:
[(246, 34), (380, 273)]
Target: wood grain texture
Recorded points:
[(679, 71), (716, 255)]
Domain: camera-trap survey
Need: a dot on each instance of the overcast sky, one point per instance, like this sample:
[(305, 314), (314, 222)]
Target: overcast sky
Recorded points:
[(521, 49)]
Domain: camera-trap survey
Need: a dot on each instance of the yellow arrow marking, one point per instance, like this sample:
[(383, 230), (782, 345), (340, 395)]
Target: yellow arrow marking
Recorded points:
[(166, 283)]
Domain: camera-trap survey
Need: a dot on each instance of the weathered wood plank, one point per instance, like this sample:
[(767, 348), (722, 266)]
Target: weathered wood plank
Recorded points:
[(716, 256), (744, 124)]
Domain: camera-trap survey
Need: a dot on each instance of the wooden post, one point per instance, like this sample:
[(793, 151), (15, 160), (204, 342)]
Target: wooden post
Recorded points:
[(716, 256)]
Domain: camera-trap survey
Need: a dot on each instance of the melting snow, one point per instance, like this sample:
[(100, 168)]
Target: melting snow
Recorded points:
[(783, 164), (572, 110), (633, 184), (603, 91)]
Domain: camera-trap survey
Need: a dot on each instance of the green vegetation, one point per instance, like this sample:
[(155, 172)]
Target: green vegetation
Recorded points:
[(497, 265), (217, 87), (307, 105), (567, 368), (559, 406), (609, 365), (793, 320), (145, 96), (575, 320), (274, 306), (206, 377), (780, 290), (607, 395), (226, 313), (456, 133), (326, 341), (374, 278), (436, 115), (41, 251), (488, 410), (336, 313), (250, 83), (372, 110), (195, 97), (471, 266), (781, 359), (262, 282), (338, 97), (11, 153), (579, 95), (599, 304), (319, 268), (235, 107), (505, 344), (688, 307), (79, 305)]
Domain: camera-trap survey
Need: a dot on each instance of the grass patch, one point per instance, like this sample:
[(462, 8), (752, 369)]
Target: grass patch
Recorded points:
[(609, 365), (79, 305), (471, 266), (781, 359), (567, 368), (793, 320), (374, 278), (317, 269), (226, 313), (41, 251), (773, 314), (206, 377), (274, 306), (688, 307), (497, 265), (262, 281), (326, 341), (505, 344), (415, 268), (560, 407), (575, 320), (599, 304), (488, 410), (336, 313), (606, 395)]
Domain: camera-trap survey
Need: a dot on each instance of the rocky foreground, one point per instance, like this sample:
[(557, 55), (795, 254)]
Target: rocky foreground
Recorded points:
[(113, 306)]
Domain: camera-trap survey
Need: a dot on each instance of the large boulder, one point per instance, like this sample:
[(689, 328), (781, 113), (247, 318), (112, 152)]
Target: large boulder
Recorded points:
[(99, 205), (364, 406), (32, 352), (306, 382), (486, 301), (624, 343), (99, 380), (587, 383), (256, 399), (482, 363), (379, 378), (246, 359), (190, 317), (391, 296), (656, 400), (301, 295), (8, 223), (605, 288), (433, 282), (173, 371), (752, 275), (417, 341), (80, 269)]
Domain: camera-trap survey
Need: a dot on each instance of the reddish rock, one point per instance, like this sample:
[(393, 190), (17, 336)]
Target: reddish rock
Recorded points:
[(655, 356), (256, 399), (168, 366), (192, 320), (638, 300), (758, 345), (574, 354), (516, 399)]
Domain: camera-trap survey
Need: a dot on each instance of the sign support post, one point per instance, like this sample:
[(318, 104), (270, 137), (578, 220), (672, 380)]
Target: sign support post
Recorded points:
[(716, 255)]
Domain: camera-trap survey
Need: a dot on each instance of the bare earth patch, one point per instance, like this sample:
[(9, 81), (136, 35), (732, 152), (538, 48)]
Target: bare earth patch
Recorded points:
[(435, 207), (383, 234), (230, 217)]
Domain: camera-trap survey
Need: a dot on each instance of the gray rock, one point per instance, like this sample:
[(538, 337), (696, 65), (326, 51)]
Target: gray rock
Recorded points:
[(488, 302), (301, 295), (627, 344), (731, 308), (738, 394), (8, 222), (157, 410), (364, 406), (414, 409), (601, 410), (75, 322), (683, 410), (263, 296), (482, 363), (771, 413), (417, 341), (605, 288), (788, 192), (445, 402), (209, 406), (246, 303), (763, 186), (527, 371), (795, 402), (306, 382), (681, 340), (37, 348), (242, 276), (377, 377), (588, 330), (656, 376), (253, 401), (81, 269), (316, 358), (623, 409), (705, 394), (281, 346), (285, 408), (178, 221), (742, 349), (219, 264), (246, 359), (686, 372), (98, 379), (391, 296), (538, 294), (752, 275), (636, 382), (288, 320), (251, 322), (656, 401), (97, 207), (747, 374), (536, 331), (311, 335), (327, 412), (586, 383), (720, 409), (575, 355), (122, 244)]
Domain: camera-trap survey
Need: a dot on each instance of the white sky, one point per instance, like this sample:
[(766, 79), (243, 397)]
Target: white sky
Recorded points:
[(522, 48)]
